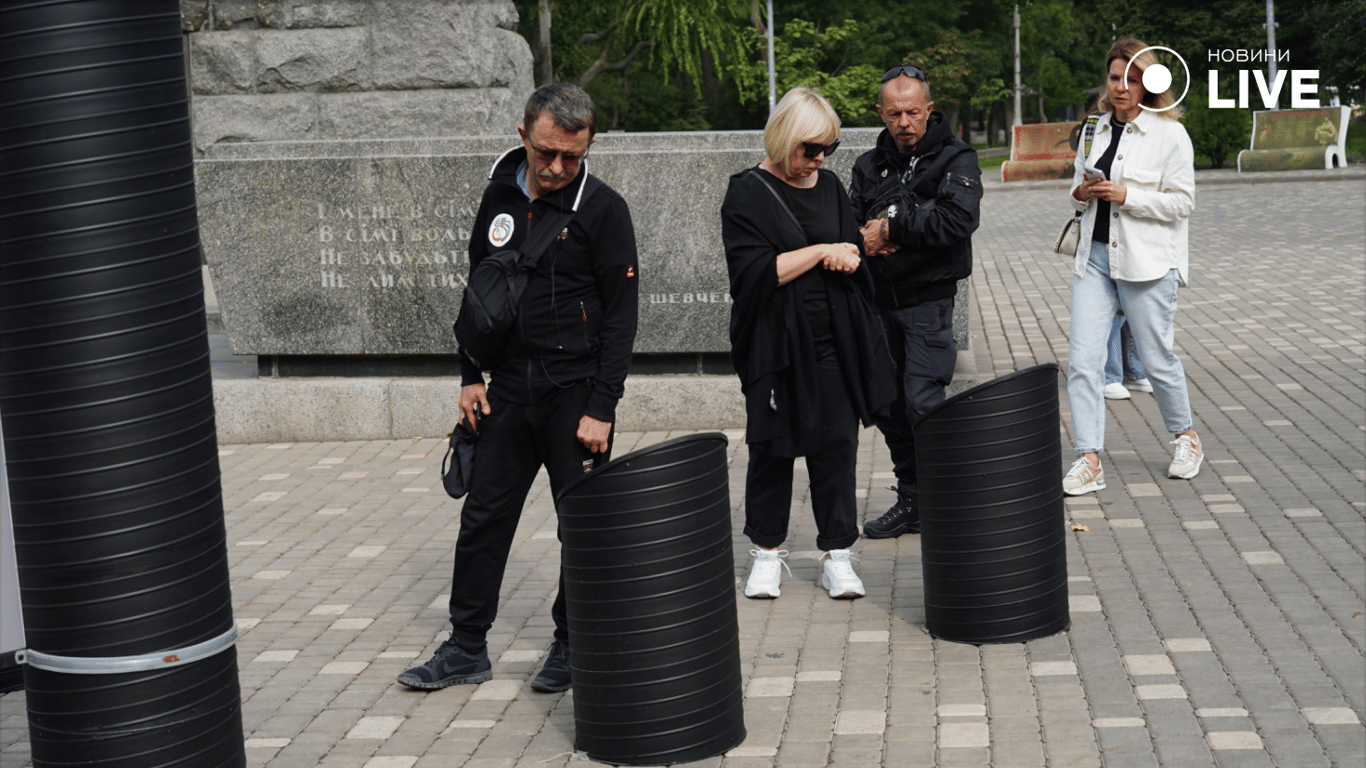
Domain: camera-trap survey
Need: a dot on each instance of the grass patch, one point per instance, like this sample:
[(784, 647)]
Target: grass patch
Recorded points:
[(991, 162)]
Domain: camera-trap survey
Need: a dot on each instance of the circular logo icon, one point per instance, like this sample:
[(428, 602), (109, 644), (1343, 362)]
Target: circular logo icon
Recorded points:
[(1158, 77), (500, 231)]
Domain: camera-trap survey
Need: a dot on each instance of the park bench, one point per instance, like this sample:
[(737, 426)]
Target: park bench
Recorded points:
[(1043, 151), (1296, 139)]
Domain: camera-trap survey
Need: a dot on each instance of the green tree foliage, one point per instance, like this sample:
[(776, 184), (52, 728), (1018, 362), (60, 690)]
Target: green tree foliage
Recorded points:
[(948, 63), (1339, 46), (625, 52), (1215, 133), (1059, 48), (808, 55), (681, 32)]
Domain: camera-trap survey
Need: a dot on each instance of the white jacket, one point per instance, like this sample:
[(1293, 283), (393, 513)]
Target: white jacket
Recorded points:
[(1156, 164)]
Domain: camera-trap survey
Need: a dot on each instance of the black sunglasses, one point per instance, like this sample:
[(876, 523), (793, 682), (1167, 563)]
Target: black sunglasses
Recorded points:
[(811, 149), (549, 155), (904, 69)]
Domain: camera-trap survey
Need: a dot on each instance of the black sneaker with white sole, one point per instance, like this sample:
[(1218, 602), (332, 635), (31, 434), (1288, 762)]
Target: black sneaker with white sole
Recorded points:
[(450, 665)]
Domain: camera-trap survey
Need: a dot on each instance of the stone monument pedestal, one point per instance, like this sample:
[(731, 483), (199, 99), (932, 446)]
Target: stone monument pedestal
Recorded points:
[(346, 259)]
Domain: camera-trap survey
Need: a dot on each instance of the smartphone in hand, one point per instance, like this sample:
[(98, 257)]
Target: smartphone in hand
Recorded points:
[(1092, 173)]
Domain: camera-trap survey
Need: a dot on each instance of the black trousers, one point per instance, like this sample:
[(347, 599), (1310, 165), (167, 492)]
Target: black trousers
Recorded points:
[(921, 340), (768, 483), (514, 442)]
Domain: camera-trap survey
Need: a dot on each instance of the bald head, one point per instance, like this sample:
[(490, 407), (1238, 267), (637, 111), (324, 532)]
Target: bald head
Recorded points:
[(903, 83), (904, 105)]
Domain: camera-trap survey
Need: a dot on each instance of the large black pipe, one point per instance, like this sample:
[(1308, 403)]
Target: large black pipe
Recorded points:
[(992, 534), (106, 396), (649, 579)]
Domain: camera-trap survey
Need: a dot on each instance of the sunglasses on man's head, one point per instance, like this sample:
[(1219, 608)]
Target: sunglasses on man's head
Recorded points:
[(811, 149), (904, 69)]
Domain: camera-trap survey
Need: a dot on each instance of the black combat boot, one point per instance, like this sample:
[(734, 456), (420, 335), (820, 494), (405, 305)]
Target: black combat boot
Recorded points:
[(902, 517)]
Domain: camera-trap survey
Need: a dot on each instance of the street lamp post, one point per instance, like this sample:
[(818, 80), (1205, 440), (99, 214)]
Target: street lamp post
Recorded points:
[(1017, 120), (772, 71)]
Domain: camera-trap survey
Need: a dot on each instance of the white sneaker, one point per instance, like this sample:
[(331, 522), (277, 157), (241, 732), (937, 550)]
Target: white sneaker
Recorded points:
[(1189, 456), (1083, 478), (838, 577), (1116, 391), (1139, 385), (766, 573)]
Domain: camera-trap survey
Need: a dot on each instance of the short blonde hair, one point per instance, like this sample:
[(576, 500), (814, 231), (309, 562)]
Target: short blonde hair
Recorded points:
[(1124, 50), (801, 115)]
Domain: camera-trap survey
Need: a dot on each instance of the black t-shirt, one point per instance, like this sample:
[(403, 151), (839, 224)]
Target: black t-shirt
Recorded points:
[(1101, 232), (818, 211)]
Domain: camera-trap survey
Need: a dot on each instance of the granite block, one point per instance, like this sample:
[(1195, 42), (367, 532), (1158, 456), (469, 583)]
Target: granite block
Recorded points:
[(397, 114), (313, 60), (253, 118), (325, 13), (443, 45), (222, 62), (249, 410)]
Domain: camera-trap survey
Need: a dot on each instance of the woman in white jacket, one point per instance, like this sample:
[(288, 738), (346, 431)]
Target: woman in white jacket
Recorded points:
[(1133, 255)]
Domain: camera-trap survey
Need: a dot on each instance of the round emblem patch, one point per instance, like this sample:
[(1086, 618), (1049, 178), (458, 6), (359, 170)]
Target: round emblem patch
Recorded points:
[(500, 231)]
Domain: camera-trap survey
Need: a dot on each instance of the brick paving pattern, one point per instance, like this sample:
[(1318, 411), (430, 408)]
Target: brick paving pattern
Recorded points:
[(1215, 622)]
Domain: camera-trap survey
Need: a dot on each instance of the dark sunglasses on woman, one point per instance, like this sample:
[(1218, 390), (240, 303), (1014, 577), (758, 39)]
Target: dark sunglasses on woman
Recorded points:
[(811, 149)]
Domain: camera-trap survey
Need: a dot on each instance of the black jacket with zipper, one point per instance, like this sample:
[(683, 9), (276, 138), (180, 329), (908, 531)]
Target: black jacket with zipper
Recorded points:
[(578, 315), (936, 189)]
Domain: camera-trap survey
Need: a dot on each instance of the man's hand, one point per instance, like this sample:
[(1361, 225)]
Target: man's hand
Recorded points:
[(873, 244), (593, 434), (470, 396)]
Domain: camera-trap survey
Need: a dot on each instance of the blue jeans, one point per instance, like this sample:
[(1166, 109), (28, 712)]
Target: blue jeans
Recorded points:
[(1150, 307), (1121, 361)]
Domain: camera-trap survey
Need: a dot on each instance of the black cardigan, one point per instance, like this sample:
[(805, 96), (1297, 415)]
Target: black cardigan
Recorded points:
[(771, 344)]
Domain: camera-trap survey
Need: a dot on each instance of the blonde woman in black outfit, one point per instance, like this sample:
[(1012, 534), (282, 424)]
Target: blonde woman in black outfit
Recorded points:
[(812, 359)]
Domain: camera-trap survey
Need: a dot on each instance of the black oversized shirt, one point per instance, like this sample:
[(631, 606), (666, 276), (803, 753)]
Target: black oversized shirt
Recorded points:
[(578, 315)]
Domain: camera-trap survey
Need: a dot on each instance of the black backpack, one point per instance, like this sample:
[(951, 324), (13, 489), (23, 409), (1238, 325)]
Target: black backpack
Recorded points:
[(493, 296)]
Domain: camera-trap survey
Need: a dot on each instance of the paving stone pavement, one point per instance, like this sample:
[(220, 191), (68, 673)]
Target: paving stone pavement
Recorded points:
[(1215, 622)]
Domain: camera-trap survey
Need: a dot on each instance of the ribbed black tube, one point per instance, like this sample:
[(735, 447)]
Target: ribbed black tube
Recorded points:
[(104, 386), (992, 540), (649, 579)]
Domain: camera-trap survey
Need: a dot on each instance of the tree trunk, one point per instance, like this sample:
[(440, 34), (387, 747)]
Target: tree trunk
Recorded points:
[(545, 67)]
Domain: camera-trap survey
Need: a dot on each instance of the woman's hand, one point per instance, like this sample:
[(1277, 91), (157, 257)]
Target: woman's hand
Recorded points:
[(1101, 189), (840, 257)]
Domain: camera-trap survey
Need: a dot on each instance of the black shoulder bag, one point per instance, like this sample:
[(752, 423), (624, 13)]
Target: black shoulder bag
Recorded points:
[(493, 296)]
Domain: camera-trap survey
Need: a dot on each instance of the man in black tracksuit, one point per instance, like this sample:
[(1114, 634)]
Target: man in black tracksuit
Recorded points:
[(553, 396), (919, 192)]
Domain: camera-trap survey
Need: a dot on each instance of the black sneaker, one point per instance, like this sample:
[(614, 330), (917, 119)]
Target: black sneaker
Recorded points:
[(902, 517), (450, 665), (554, 675)]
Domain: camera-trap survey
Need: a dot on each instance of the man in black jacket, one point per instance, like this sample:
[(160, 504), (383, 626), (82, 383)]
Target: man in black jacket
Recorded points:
[(553, 396), (918, 192)]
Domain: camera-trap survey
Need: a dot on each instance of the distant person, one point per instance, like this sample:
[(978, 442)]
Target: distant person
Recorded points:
[(553, 397), (1123, 369), (917, 195), (804, 340), (1133, 257)]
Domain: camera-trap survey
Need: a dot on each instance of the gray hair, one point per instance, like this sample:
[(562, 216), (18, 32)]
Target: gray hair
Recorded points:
[(568, 105)]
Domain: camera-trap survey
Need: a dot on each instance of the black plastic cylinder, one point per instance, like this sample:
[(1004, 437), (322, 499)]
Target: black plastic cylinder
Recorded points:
[(992, 534), (649, 579), (105, 389)]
